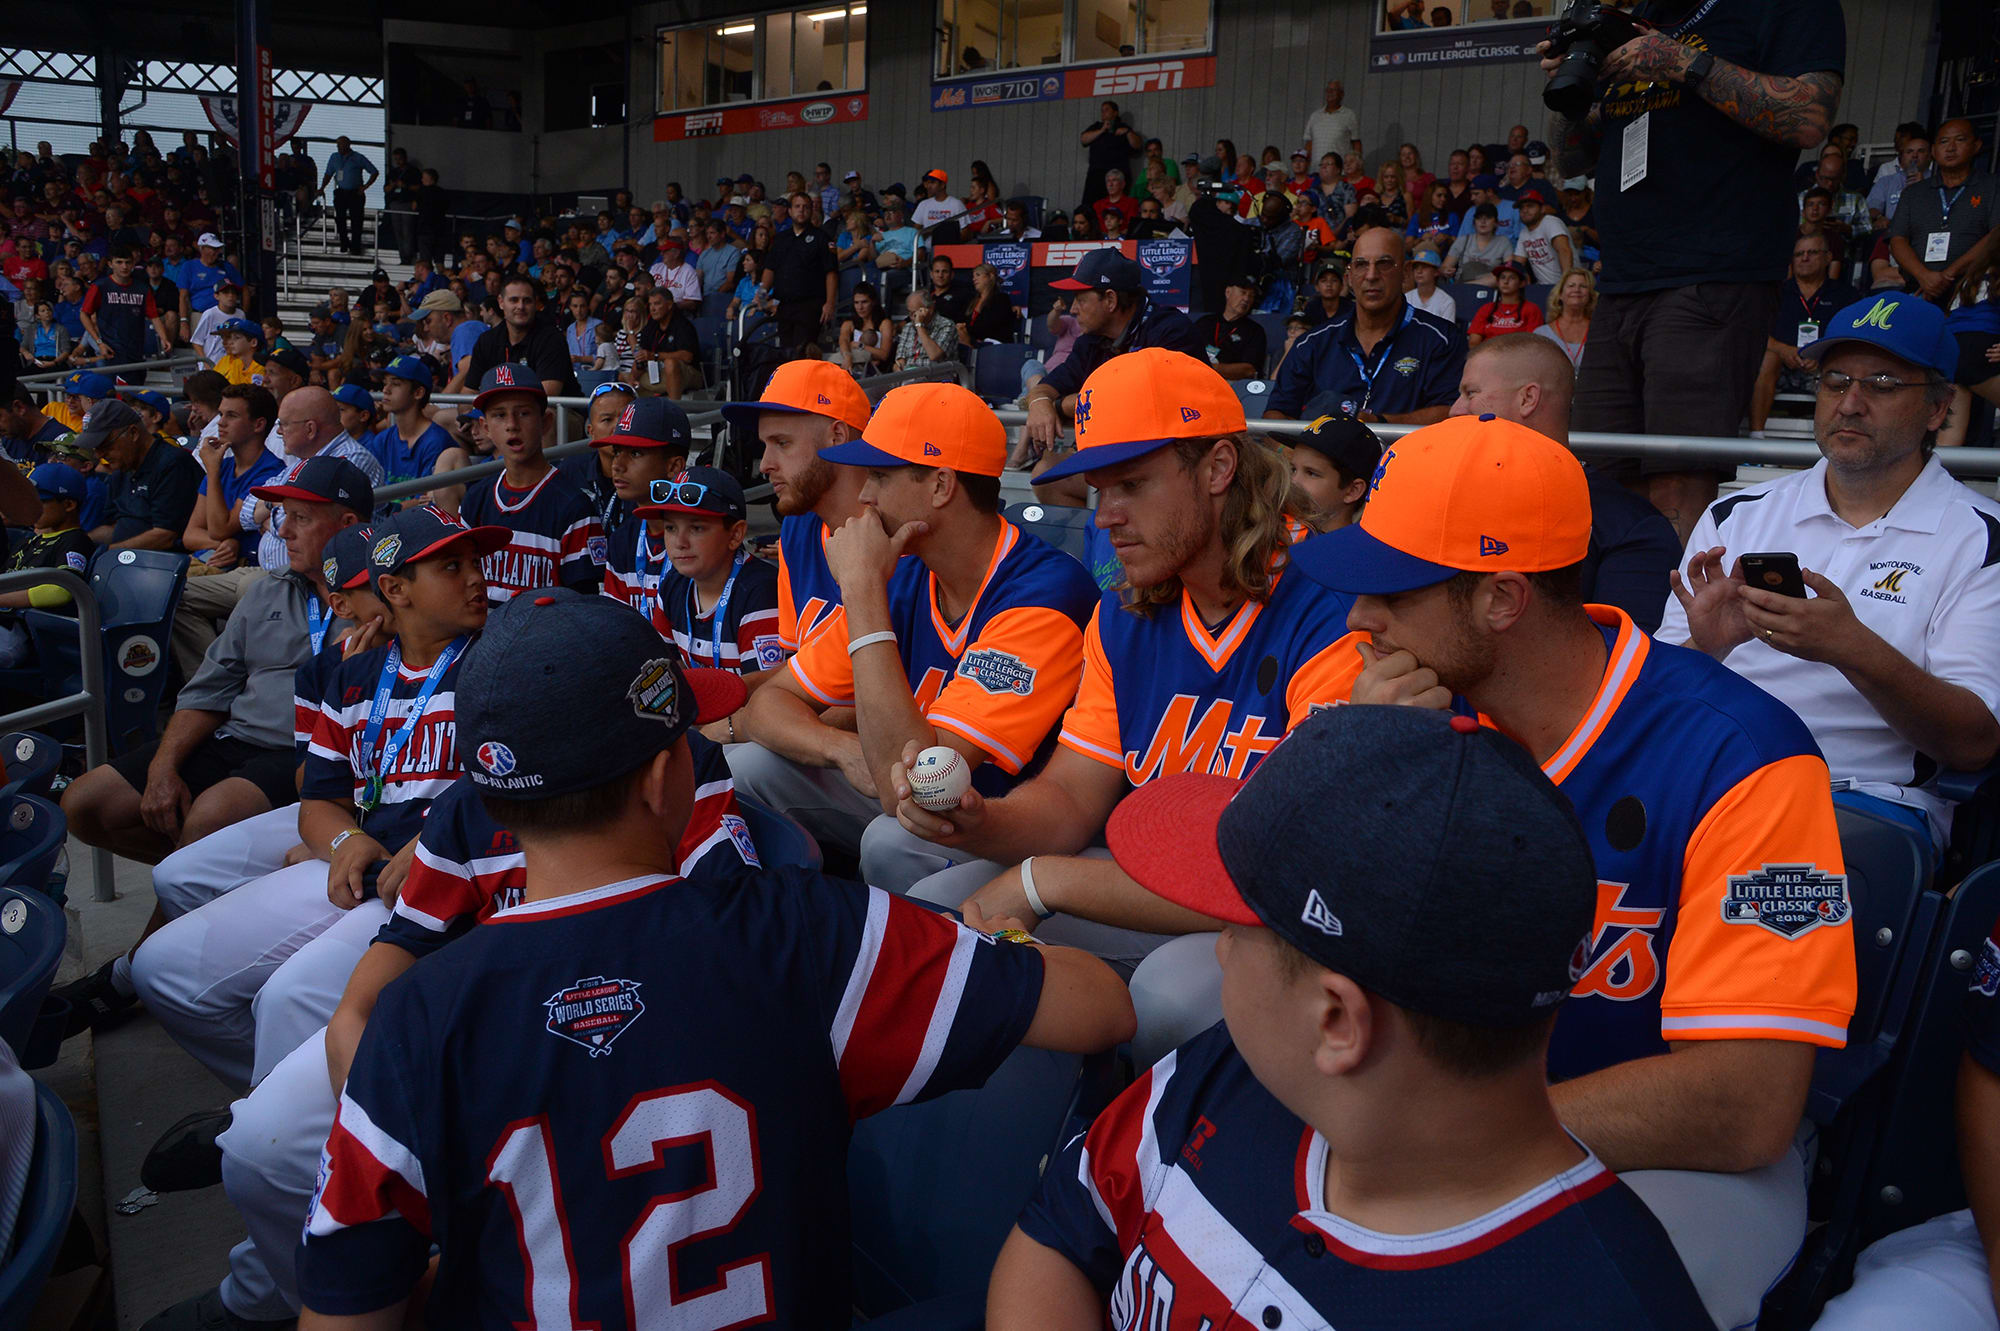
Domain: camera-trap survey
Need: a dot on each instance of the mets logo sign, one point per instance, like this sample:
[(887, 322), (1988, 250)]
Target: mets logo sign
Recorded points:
[(1787, 899), (594, 1012), (997, 671)]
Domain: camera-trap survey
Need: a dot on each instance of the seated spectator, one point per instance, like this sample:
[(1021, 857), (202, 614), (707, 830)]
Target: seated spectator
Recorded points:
[(1329, 298), (1544, 243), (1479, 249), (47, 345), (235, 460), (1507, 221), (1932, 240), (982, 212), (867, 341), (926, 337), (1507, 312), (1235, 340), (990, 317), (154, 486), (25, 430), (1894, 660), (57, 541), (895, 241), (1383, 361), (1571, 304), (668, 357), (1807, 302), (1333, 463), (1911, 164), (1115, 200), (581, 331), (555, 536), (1016, 608), (1975, 324), (240, 340), (359, 416), (1083, 226), (853, 246), (716, 602), (1424, 295), (410, 444), (1434, 218), (678, 277)]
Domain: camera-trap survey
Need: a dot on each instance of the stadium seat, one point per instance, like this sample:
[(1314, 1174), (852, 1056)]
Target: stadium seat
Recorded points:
[(587, 380), (30, 844), (1536, 294), (1060, 525), (32, 760), (46, 1207), (996, 372), (1975, 824), (33, 930), (137, 593), (715, 305), (1469, 296), (779, 838), (1274, 337), (934, 1188), (1255, 395)]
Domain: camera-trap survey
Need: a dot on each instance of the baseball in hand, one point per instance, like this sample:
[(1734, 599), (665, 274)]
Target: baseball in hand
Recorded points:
[(939, 778)]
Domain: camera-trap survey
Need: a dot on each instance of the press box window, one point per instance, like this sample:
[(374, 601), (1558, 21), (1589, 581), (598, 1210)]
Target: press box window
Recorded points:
[(765, 57)]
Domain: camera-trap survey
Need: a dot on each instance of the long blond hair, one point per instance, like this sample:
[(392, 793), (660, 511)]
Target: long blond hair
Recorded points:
[(1259, 511)]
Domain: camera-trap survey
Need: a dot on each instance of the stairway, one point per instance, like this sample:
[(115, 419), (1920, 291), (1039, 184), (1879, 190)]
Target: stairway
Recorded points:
[(312, 263)]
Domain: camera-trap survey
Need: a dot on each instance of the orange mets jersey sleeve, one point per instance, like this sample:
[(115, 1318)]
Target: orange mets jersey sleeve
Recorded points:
[(788, 615), (822, 665), (1091, 725), (1012, 683), (1324, 679)]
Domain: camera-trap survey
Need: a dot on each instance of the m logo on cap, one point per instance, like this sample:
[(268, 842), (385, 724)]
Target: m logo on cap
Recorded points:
[(1083, 409), (503, 376), (1878, 315), (1381, 470), (1319, 917), (1488, 547)]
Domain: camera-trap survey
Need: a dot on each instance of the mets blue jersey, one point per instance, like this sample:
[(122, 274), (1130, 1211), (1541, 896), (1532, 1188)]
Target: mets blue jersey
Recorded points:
[(1197, 1201), (1001, 676), (630, 1107), (407, 462), (558, 539), (807, 592), (1722, 907)]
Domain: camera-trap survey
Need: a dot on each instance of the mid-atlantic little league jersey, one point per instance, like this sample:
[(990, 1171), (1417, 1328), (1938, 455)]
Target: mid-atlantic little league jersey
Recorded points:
[(586, 473), (633, 565), (747, 637), (1722, 906), (558, 539), (309, 685), (336, 766), (467, 866), (1197, 1201), (123, 311), (630, 1107), (1001, 676), (1162, 693)]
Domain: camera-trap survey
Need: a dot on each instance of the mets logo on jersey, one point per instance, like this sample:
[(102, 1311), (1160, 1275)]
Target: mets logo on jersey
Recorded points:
[(1787, 899), (997, 671), (594, 1012), (496, 757), (1618, 961)]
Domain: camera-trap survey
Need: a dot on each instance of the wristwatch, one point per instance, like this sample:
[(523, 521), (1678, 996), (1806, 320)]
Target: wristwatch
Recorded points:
[(1697, 71)]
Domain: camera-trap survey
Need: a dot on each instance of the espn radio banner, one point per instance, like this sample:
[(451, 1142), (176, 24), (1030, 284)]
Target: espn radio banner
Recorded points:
[(1097, 81), (748, 119)]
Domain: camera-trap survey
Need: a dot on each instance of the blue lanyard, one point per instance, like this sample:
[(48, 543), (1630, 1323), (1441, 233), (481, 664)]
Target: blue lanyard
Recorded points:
[(317, 623), (392, 744), (1368, 377), (649, 597), (721, 606), (1946, 205)]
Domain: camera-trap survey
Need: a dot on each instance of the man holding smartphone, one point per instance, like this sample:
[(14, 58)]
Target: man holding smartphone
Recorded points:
[(1893, 658)]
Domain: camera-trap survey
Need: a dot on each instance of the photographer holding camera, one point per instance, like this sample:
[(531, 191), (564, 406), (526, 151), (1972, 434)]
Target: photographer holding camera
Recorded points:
[(1671, 101)]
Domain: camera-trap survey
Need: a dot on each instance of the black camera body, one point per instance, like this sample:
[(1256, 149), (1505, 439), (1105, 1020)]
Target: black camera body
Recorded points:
[(1585, 33)]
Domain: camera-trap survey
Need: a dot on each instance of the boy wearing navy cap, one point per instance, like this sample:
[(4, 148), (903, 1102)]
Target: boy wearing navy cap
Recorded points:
[(591, 470), (746, 1112), (57, 542), (1369, 1141), (719, 605), (646, 441), (557, 535), (410, 444), (1333, 463)]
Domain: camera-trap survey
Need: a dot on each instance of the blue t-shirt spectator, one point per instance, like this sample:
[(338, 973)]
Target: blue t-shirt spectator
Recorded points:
[(407, 462), (263, 471), (717, 266), (1510, 220), (200, 280), (347, 170), (902, 240), (462, 338), (69, 313)]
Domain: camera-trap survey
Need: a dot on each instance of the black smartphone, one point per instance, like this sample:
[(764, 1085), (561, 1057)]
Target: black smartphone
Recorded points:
[(1775, 571)]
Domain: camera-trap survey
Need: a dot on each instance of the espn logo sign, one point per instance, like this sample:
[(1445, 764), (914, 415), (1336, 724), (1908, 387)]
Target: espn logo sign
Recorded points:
[(1155, 76), (702, 125)]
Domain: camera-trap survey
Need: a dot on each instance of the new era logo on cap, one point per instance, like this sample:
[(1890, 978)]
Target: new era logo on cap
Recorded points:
[(822, 400), (1190, 414), (1489, 547), (933, 451), (1317, 916)]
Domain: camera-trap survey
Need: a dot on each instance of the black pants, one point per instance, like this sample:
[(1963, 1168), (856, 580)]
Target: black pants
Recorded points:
[(347, 219), (799, 324)]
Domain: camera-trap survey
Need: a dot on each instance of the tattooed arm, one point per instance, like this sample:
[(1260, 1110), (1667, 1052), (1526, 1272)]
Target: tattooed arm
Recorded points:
[(1577, 141), (1793, 111)]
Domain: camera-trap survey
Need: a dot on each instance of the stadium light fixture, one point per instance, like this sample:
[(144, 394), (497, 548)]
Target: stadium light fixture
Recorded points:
[(737, 30)]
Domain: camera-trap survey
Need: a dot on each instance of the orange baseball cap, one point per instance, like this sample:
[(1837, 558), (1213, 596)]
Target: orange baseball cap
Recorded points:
[(1470, 494), (1144, 400), (928, 425), (806, 387), (937, 173)]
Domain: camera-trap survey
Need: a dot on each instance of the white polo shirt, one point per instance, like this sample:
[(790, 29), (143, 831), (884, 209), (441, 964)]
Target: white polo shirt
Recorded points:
[(1925, 577)]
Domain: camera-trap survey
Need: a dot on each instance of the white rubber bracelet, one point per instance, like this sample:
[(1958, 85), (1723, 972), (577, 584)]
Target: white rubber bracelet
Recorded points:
[(1028, 890), (869, 640)]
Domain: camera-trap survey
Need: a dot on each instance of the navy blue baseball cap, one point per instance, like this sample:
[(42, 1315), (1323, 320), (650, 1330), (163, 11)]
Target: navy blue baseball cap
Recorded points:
[(292, 359), (418, 533), (1343, 441), (353, 395), (344, 562), (555, 664), (240, 325), (146, 397), (88, 383), (55, 480), (324, 479), (505, 378), (702, 491), (1440, 821), (1486, 180), (1104, 270), (413, 368), (1907, 327), (650, 422)]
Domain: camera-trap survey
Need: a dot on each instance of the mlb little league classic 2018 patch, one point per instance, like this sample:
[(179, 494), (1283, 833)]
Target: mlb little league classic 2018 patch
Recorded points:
[(1788, 899)]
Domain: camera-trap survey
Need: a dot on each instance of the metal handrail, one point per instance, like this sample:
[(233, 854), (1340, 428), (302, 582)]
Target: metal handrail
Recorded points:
[(88, 703), (165, 362)]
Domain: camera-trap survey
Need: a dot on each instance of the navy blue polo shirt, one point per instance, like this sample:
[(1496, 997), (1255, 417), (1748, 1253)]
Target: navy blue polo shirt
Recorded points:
[(1156, 326), (1414, 367)]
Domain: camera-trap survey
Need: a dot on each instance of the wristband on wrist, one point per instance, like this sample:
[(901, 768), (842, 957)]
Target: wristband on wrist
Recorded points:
[(1028, 890), (1013, 936), (334, 844), (869, 640)]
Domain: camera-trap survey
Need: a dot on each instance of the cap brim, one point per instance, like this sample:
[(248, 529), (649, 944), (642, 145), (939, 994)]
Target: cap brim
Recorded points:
[(1349, 559), (1163, 836), (292, 494), (639, 441), (1104, 455), (490, 394), (744, 414), (717, 694), (685, 510), (1071, 284), (1817, 350), (861, 453)]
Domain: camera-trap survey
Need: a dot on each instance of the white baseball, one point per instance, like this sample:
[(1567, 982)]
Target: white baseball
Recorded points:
[(939, 778)]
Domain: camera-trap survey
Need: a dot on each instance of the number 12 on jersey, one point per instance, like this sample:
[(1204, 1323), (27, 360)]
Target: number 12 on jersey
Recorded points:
[(523, 1168)]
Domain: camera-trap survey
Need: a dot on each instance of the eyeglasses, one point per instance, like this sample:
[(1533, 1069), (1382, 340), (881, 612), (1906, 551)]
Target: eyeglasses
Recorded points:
[(1835, 383), (687, 494)]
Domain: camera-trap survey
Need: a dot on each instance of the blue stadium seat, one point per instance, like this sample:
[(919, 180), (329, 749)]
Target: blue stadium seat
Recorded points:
[(1469, 296), (1274, 337), (1536, 294), (996, 371), (137, 593), (715, 304), (30, 843), (779, 838), (45, 1212), (1975, 824), (33, 930), (586, 380), (935, 1188), (1065, 527), (1255, 395), (32, 760)]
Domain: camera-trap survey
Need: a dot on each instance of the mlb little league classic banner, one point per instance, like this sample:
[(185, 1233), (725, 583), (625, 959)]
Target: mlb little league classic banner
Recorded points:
[(1026, 268)]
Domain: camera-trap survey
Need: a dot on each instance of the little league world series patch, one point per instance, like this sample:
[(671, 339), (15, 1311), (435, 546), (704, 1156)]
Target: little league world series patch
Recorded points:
[(593, 1012)]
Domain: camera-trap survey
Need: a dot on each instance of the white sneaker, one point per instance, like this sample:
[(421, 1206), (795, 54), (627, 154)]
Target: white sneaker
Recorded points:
[(1759, 434)]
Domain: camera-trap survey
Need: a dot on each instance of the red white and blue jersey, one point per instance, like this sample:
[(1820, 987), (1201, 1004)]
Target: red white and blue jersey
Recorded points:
[(309, 685), (748, 636), (467, 866), (1722, 906), (1197, 1201), (633, 566), (558, 539), (337, 768), (1001, 677), (630, 1107), (1163, 693)]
